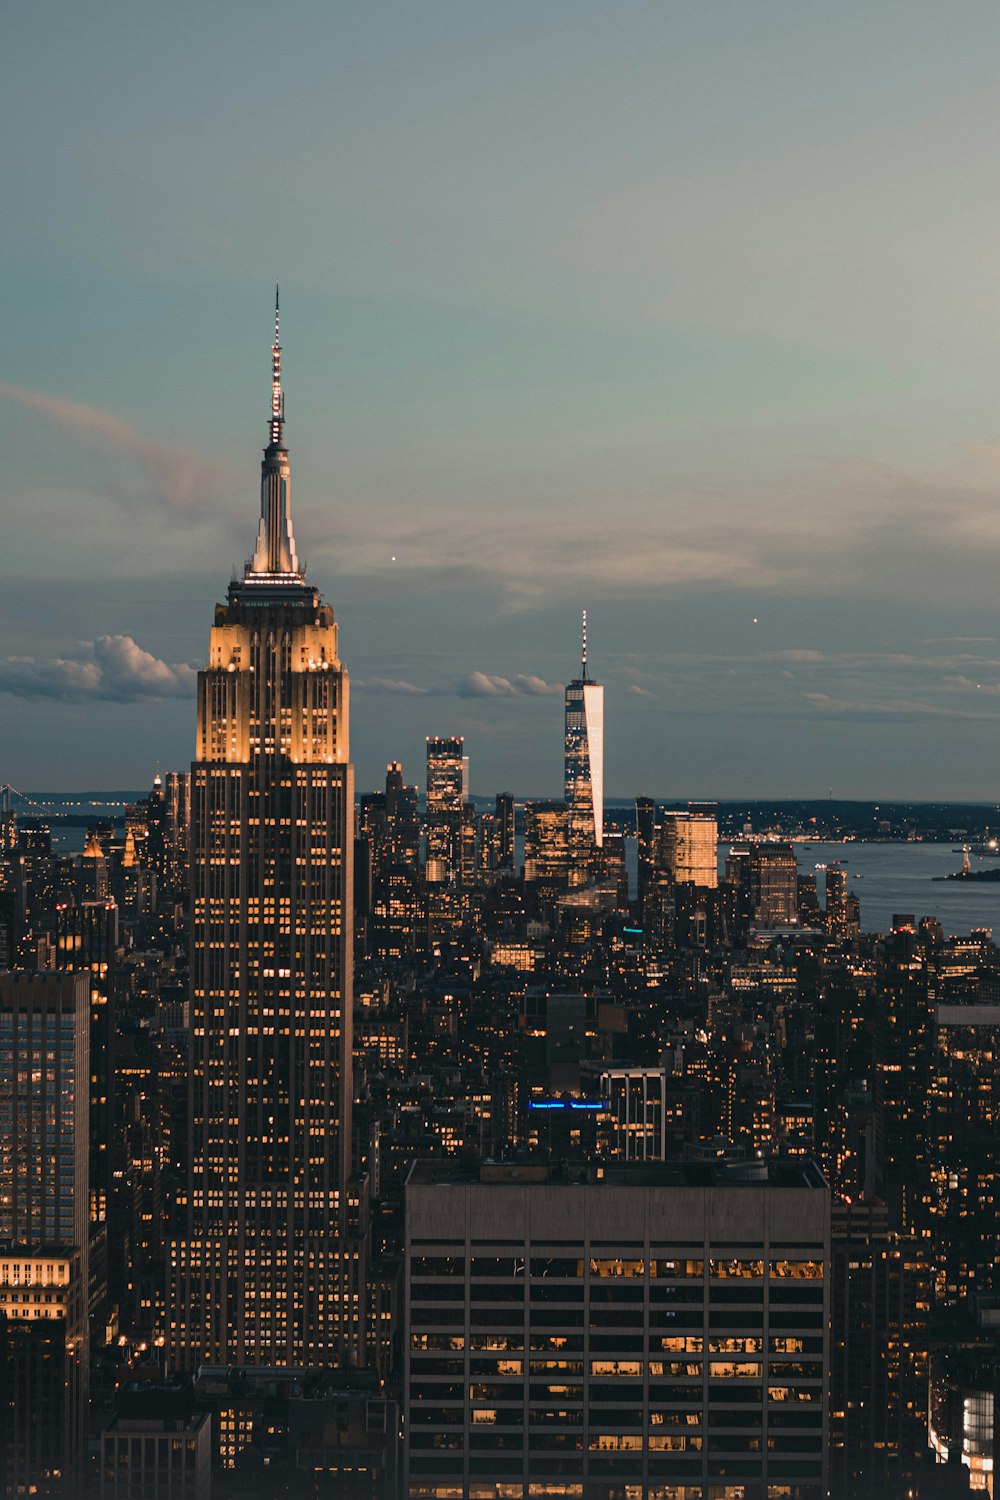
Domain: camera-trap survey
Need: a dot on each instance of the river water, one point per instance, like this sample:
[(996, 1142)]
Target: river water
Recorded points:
[(898, 878)]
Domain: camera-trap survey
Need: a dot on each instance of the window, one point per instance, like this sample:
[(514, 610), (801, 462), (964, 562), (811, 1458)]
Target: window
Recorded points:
[(802, 1270)]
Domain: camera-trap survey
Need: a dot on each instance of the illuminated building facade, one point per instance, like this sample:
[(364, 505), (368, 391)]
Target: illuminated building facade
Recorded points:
[(584, 767), (689, 847), (270, 1271), (656, 1332), (546, 844), (43, 1370), (447, 778), (44, 1050)]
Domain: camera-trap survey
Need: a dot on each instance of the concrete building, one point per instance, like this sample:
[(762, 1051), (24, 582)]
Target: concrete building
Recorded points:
[(653, 1332), (157, 1447)]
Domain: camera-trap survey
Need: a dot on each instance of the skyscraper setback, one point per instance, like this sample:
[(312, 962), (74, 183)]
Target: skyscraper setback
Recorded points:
[(267, 1273)]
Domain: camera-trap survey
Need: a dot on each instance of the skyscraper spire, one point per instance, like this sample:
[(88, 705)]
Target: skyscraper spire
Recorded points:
[(274, 556), (583, 654), (277, 394)]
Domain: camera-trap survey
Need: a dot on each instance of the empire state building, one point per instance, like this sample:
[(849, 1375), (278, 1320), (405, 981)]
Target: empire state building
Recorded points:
[(269, 1272)]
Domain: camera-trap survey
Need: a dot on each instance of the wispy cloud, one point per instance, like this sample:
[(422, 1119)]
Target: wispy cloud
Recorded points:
[(113, 668), (488, 685), (176, 477), (845, 525), (388, 685)]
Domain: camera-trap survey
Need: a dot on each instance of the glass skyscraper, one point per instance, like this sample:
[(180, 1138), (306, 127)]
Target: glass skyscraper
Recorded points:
[(584, 767)]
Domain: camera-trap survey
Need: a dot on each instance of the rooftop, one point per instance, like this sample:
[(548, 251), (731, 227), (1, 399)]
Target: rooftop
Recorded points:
[(775, 1172)]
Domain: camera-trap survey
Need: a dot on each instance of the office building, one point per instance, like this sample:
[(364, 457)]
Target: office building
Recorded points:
[(270, 1271), (652, 1332), (157, 1446), (635, 1113), (447, 783), (86, 943), (402, 817), (645, 832), (763, 880), (44, 1050), (505, 831), (584, 768), (44, 1241), (43, 1370), (688, 850), (546, 845)]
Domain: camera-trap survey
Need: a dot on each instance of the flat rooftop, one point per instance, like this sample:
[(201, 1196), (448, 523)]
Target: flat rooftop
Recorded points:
[(777, 1172)]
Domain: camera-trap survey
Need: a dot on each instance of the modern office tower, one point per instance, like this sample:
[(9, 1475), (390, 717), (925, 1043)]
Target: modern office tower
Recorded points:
[(963, 1400), (689, 847), (546, 844), (86, 943), (13, 903), (269, 1272), (880, 1305), (635, 1108), (904, 1047), (447, 777), (8, 824), (469, 846), (658, 1331), (43, 1229), (584, 767), (764, 884), (44, 1054), (645, 832), (177, 804), (843, 910), (505, 831), (373, 831), (402, 817), (43, 1370), (963, 1151)]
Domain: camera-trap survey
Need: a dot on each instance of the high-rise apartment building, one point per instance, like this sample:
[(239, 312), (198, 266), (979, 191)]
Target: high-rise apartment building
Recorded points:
[(584, 767), (657, 1333), (269, 1272)]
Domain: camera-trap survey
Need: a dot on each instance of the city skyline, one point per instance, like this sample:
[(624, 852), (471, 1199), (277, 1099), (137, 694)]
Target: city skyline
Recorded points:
[(751, 429)]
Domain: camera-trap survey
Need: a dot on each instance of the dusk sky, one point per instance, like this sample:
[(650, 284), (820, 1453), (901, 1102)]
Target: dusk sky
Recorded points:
[(683, 312)]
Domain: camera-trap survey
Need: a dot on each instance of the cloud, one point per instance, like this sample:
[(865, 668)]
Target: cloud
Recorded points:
[(640, 692), (871, 710), (177, 478), (113, 668), (388, 685), (487, 685)]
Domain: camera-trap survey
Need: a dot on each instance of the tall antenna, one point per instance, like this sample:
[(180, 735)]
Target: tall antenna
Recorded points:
[(583, 654), (277, 395)]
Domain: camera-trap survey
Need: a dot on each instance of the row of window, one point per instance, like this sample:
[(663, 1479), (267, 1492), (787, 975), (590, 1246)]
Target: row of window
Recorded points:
[(569, 1267)]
